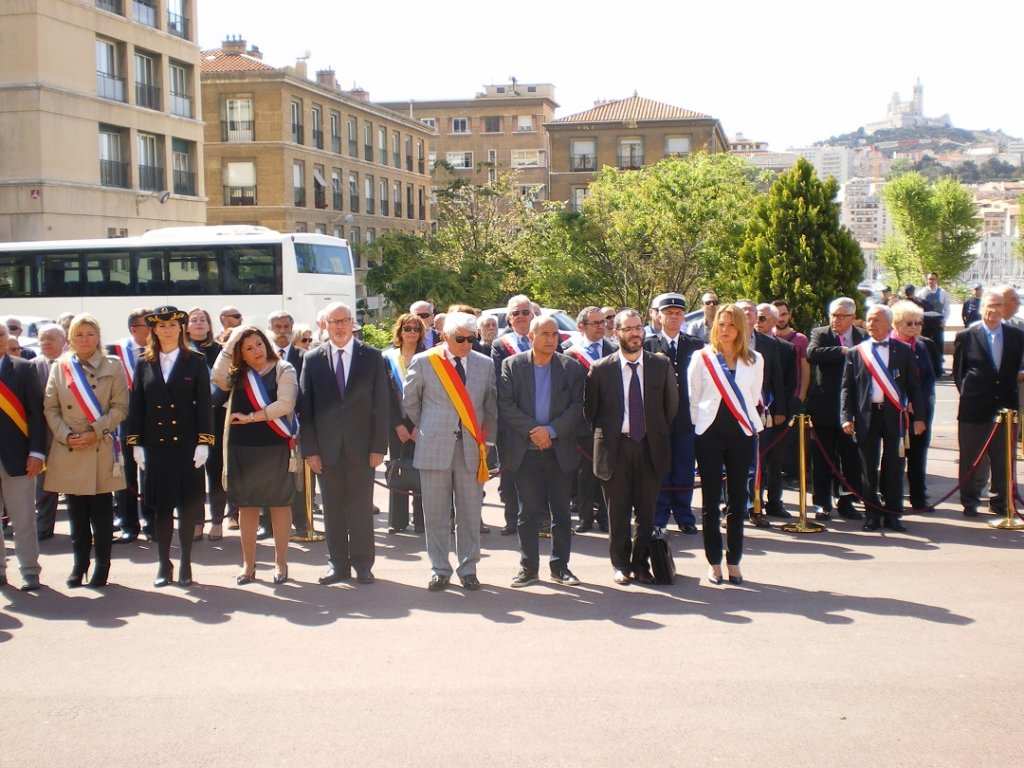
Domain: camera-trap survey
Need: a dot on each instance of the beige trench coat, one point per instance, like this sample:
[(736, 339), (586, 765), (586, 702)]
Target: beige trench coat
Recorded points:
[(88, 471)]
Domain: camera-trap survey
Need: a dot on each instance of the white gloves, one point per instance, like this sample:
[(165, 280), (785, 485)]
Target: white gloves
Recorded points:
[(139, 454), (201, 455)]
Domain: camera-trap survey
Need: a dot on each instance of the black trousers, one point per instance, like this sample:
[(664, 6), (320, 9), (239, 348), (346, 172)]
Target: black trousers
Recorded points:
[(398, 501), (218, 497), (98, 512), (883, 485), (972, 438), (843, 452), (187, 519), (632, 489), (544, 489), (347, 489), (917, 462), (130, 499), (724, 444), (587, 487), (771, 465)]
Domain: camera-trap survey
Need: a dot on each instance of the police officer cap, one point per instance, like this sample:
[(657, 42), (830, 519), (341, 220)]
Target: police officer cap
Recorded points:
[(668, 300)]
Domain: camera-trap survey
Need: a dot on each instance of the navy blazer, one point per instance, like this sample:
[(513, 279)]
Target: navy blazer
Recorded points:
[(855, 401), (985, 390), (827, 358), (173, 414), (21, 379), (686, 345)]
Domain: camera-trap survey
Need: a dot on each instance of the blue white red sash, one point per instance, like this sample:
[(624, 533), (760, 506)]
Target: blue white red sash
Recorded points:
[(394, 368), (512, 348), (581, 356), (731, 395), (883, 377), (124, 354), (85, 396), (258, 397)]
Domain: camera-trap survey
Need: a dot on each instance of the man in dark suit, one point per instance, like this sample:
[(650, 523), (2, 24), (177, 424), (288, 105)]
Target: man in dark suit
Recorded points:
[(424, 310), (592, 346), (22, 453), (780, 410), (987, 360), (344, 402), (630, 399), (881, 388), (52, 341), (826, 352), (540, 401), (678, 347), (281, 325)]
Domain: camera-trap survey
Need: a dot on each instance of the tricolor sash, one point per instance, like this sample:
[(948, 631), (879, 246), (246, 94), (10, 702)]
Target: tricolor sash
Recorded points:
[(87, 400), (395, 365), (581, 356), (883, 377), (124, 354), (456, 390), (258, 397), (14, 408), (731, 395), (512, 348)]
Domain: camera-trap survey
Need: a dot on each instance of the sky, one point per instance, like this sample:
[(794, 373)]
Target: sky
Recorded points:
[(790, 72)]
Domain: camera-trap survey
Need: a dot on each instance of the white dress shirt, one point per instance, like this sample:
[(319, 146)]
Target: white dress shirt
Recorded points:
[(627, 377), (346, 353), (167, 361)]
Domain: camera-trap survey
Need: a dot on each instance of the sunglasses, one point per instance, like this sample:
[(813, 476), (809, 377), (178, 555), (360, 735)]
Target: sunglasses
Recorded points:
[(912, 323), (13, 327), (520, 312), (424, 315), (412, 328), (236, 316), (711, 303), (306, 339), (609, 318), (463, 339)]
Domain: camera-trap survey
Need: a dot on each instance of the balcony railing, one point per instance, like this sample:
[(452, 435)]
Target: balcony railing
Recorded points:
[(300, 197), (384, 207), (631, 162), (298, 133), (109, 87), (408, 163), (318, 139), (398, 210), (421, 166), (144, 13), (584, 162), (423, 213), (147, 96), (396, 159), (353, 148), (151, 178), (410, 212), (236, 130), (368, 152), (185, 183), (336, 144), (320, 198), (353, 203), (114, 6), (177, 25), (239, 195), (337, 200), (113, 173), (371, 205), (181, 104)]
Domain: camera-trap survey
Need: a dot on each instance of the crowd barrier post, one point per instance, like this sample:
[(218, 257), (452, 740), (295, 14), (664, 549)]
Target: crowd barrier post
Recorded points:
[(1011, 521), (803, 422), (311, 533)]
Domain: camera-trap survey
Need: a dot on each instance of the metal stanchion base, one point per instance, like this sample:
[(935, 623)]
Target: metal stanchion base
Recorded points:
[(311, 536), (799, 527), (1007, 524)]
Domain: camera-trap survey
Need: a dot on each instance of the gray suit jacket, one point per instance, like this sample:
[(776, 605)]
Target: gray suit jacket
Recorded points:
[(428, 406), (517, 393)]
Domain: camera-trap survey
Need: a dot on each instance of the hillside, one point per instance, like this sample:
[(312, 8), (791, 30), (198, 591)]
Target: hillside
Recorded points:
[(936, 139)]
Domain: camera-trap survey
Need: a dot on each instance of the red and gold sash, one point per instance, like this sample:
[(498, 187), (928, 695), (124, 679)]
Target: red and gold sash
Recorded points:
[(456, 390), (13, 407)]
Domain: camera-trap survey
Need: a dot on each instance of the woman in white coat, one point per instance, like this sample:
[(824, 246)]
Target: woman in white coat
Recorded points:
[(725, 387)]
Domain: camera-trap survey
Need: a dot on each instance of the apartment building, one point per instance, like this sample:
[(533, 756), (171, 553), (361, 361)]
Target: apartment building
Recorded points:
[(301, 155), (110, 150), (624, 134), (862, 210), (500, 128)]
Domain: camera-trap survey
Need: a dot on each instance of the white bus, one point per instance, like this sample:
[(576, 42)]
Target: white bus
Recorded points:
[(253, 268)]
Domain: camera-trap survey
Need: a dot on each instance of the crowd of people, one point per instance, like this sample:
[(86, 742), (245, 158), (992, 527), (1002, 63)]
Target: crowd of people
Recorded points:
[(610, 427)]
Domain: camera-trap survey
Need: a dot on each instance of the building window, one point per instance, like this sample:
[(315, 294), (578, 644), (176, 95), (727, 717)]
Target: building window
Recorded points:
[(240, 183), (371, 234), (353, 143), (398, 199), (527, 158), (354, 240), (299, 183), (631, 154), (524, 123), (147, 92), (492, 125), (300, 226), (144, 12), (371, 203), (109, 80), (335, 133), (408, 153), (385, 209), (113, 169), (408, 201), (532, 192), (183, 155), (319, 188), (396, 149), (113, 6), (460, 160), (460, 125), (336, 194), (177, 21), (151, 173), (298, 130), (433, 160), (576, 198), (492, 165), (339, 232), (317, 122), (430, 122), (422, 204), (181, 89), (421, 157), (382, 145), (238, 123), (584, 154), (353, 192), (368, 141), (677, 146)]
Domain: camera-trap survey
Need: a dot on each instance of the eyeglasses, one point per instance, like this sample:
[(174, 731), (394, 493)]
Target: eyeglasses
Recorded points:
[(913, 323), (837, 316), (609, 318), (143, 325), (463, 339), (236, 316), (630, 328), (424, 315), (412, 328), (306, 339), (713, 303), (340, 321), (520, 312), (761, 318), (13, 327)]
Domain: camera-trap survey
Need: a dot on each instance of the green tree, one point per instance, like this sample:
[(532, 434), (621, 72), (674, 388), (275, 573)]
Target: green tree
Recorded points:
[(936, 221), (795, 247)]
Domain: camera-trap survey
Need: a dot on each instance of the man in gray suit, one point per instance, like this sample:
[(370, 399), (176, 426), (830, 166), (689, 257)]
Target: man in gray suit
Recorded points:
[(450, 449), (52, 341), (540, 399)]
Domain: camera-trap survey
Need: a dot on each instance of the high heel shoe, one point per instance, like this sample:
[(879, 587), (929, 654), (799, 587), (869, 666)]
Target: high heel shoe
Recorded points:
[(75, 578), (99, 576), (735, 577), (185, 575), (281, 575), (197, 532), (164, 576), (714, 578), (246, 577)]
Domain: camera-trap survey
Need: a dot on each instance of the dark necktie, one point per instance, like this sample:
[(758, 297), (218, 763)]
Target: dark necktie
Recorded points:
[(339, 372), (595, 350), (524, 343), (637, 423), (879, 344), (460, 370), (672, 350), (280, 353)]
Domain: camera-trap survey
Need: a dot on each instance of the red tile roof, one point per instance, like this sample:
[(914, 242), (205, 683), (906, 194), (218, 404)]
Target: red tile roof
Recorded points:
[(634, 108), (218, 61)]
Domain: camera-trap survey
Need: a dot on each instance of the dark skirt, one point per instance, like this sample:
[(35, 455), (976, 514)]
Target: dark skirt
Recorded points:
[(171, 478), (258, 475)]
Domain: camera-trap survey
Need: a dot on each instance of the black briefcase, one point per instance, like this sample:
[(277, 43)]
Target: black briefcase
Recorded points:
[(663, 567), (401, 475)]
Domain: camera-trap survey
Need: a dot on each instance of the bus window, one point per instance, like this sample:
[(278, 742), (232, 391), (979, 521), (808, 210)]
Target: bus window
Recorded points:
[(15, 275), (316, 259), (192, 271), (252, 270), (108, 274), (61, 275)]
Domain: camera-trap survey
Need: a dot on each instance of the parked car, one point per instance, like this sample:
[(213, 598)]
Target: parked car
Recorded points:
[(566, 325)]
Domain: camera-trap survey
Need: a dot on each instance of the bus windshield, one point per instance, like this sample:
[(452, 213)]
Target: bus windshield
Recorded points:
[(316, 259)]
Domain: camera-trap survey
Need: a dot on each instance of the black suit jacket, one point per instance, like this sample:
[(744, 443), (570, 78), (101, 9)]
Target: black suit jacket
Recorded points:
[(686, 345), (173, 414), (984, 390), (516, 406), (352, 428), (603, 408), (21, 379), (855, 400), (827, 358), (778, 369)]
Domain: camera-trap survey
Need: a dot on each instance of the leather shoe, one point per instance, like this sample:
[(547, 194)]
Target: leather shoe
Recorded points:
[(508, 530), (185, 576), (620, 577), (848, 512), (164, 577), (485, 528), (470, 582), (437, 583), (689, 528), (30, 583), (147, 534), (759, 521), (894, 524), (366, 577), (3, 580), (822, 514), (263, 533), (126, 537), (334, 575), (872, 525), (779, 511), (44, 535), (714, 578), (603, 527), (644, 577), (398, 529), (75, 578), (584, 527), (970, 512), (216, 532)]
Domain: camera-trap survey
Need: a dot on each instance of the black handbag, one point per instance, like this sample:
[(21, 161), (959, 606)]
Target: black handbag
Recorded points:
[(663, 567), (400, 474)]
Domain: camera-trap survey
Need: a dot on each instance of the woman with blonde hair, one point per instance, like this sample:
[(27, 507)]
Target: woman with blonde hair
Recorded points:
[(725, 388)]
